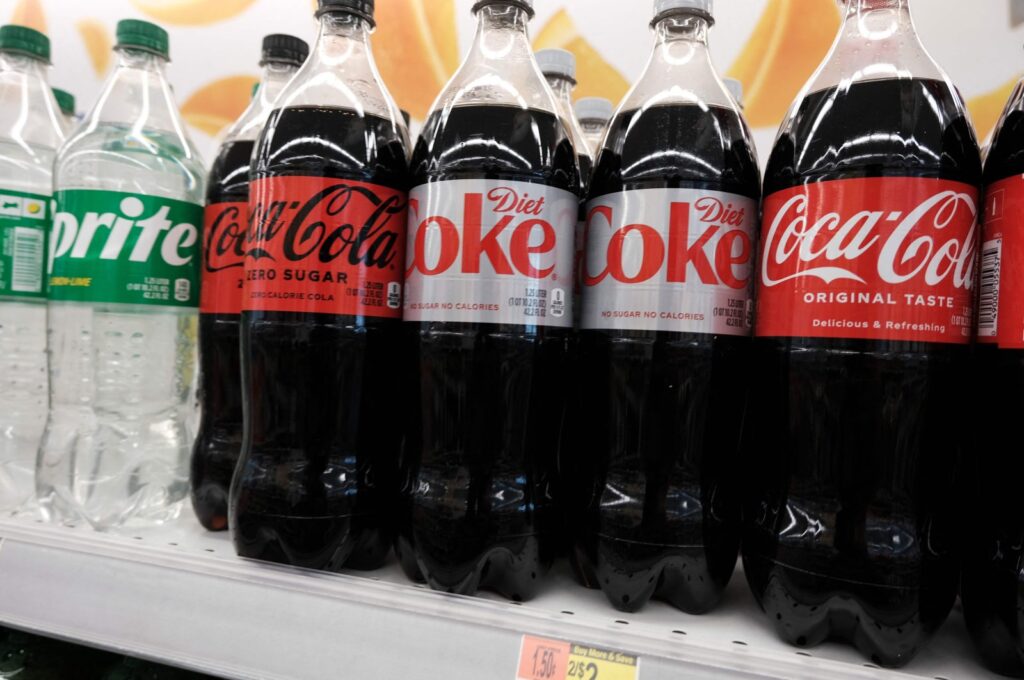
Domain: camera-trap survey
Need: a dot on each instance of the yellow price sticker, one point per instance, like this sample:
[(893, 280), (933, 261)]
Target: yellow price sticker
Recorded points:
[(541, 659)]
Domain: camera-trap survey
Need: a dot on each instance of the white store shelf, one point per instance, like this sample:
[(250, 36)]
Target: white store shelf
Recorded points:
[(179, 595)]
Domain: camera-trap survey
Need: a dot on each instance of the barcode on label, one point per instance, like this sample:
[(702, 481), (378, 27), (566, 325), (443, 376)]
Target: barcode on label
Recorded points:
[(988, 299), (27, 260)]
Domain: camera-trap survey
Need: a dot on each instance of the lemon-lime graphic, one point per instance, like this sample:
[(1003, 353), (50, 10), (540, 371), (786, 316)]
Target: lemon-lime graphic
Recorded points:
[(790, 40), (192, 12), (98, 43), (417, 50), (216, 105), (595, 76)]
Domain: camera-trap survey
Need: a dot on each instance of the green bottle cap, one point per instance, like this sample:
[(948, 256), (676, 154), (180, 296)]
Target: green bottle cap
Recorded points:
[(65, 100), (24, 40), (142, 35)]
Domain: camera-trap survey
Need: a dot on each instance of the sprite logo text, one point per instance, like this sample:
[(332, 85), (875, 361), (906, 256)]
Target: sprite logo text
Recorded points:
[(125, 248)]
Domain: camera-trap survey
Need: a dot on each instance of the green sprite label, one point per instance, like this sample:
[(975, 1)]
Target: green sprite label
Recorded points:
[(108, 246), (24, 222)]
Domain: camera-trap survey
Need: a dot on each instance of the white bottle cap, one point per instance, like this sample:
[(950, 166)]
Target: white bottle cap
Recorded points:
[(594, 108), (557, 63), (735, 88), (702, 7)]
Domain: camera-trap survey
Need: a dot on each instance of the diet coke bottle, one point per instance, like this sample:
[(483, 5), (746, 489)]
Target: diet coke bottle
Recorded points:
[(321, 311), (994, 563), (488, 309), (665, 330), (859, 410)]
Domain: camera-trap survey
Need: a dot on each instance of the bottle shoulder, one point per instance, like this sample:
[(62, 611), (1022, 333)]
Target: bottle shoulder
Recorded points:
[(677, 145), (509, 143), (887, 127), (117, 157)]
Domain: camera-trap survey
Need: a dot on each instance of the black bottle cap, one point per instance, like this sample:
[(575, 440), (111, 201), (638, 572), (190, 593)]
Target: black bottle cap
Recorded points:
[(361, 8), (284, 49)]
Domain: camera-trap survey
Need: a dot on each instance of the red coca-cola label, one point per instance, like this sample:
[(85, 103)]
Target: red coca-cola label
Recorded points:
[(1001, 294), (224, 230), (876, 258), (323, 245)]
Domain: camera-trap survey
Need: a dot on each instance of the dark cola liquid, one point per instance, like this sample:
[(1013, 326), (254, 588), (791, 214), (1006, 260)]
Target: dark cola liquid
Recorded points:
[(654, 448), (315, 486), (854, 445), (992, 592), (219, 440), (480, 462)]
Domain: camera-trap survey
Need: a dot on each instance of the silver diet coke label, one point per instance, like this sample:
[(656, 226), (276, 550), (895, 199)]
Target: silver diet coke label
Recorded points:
[(490, 251), (677, 260)]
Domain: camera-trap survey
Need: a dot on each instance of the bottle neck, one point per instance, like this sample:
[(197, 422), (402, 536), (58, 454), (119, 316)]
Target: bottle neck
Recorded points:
[(29, 113), (275, 77), (502, 34), (343, 37), (138, 95), (681, 41), (562, 87), (877, 20)]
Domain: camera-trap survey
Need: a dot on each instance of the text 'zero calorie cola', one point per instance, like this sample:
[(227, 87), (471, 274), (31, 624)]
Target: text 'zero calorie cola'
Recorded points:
[(488, 309), (30, 132), (321, 311), (994, 562), (219, 440), (665, 331), (858, 412), (124, 292)]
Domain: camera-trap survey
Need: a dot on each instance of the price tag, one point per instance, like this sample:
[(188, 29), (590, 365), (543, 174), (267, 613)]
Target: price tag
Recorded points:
[(542, 659)]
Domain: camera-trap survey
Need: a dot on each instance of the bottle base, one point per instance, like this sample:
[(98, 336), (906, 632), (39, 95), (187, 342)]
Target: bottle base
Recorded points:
[(513, 569), (322, 543), (631, 574), (992, 597), (887, 624)]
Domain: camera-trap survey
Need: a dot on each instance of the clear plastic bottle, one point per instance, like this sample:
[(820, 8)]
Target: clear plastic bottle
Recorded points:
[(123, 300), (66, 102), (495, 193), (860, 384), (559, 69), (594, 114), (663, 386), (219, 440), (30, 132), (321, 324)]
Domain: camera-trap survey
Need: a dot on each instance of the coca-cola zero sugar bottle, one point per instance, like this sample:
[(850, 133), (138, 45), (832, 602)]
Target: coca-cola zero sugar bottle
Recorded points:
[(994, 562), (321, 311), (665, 330), (488, 309), (859, 407), (219, 440)]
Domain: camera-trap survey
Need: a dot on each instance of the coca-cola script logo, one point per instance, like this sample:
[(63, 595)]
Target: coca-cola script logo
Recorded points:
[(518, 237), (325, 246), (340, 220), (226, 228), (926, 242), (720, 256), (878, 258)]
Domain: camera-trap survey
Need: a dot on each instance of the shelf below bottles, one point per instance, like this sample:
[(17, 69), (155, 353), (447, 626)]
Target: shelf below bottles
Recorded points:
[(179, 595)]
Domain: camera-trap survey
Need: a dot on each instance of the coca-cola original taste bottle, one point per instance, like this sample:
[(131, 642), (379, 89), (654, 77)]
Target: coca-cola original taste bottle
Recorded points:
[(865, 307), (488, 308), (994, 563), (322, 311), (666, 324), (220, 303)]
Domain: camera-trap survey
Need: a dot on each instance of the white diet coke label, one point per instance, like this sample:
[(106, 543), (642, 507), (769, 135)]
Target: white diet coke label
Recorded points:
[(490, 251), (678, 260)]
